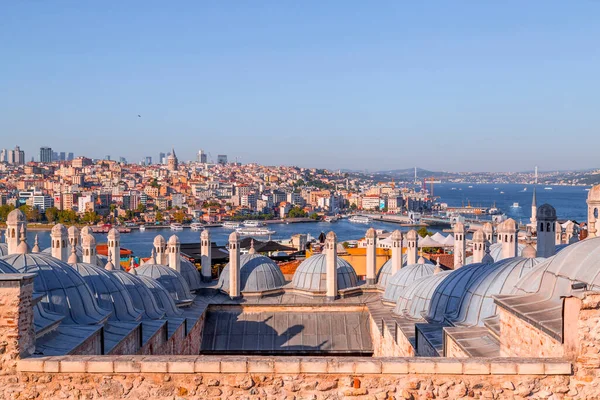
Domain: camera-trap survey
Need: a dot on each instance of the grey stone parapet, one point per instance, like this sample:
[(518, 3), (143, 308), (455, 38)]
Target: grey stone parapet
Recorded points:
[(294, 365)]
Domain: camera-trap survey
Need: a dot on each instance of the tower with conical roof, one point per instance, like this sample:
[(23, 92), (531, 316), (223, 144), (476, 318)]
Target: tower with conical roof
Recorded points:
[(172, 161)]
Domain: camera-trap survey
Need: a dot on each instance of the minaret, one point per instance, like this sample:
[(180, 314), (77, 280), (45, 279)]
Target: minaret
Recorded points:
[(478, 246), (593, 202), (412, 249), (114, 245), (174, 253), (331, 265), (371, 238), (73, 233), (58, 237), (15, 221), (396, 251), (488, 231), (460, 246), (160, 248), (508, 235), (23, 248), (533, 210), (546, 231), (206, 256), (88, 249), (234, 265), (557, 233)]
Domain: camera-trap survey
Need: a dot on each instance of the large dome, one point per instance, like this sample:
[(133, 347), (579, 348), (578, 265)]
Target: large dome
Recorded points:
[(403, 278), (109, 291), (311, 274), (3, 249), (385, 272), (66, 292), (578, 262), (170, 279), (190, 273), (414, 301), (496, 252), (142, 297), (162, 296), (257, 274)]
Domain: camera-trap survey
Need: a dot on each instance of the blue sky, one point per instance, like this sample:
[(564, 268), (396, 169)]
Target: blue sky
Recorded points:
[(445, 85)]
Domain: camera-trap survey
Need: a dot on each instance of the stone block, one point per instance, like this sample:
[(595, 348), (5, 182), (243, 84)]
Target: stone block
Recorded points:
[(52, 364), (476, 367), (449, 367), (391, 366), (558, 368), (261, 366), (100, 365), (532, 368), (124, 365), (154, 365), (182, 365), (313, 366), (416, 366), (206, 365), (234, 366), (283, 366), (340, 366), (503, 368), (74, 366), (31, 365), (367, 367)]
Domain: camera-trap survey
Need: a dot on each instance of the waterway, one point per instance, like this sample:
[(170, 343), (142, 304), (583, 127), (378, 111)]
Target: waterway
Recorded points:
[(569, 202)]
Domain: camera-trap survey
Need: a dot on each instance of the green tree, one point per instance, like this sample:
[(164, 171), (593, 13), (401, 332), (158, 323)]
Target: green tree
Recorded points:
[(422, 231), (315, 216), (90, 217), (353, 206), (5, 210), (297, 212), (52, 214), (141, 208), (159, 216), (179, 216), (31, 213)]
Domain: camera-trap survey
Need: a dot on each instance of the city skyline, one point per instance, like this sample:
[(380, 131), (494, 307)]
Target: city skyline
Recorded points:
[(458, 87)]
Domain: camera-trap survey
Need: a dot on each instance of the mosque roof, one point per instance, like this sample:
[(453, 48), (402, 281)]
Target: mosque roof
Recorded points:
[(190, 273), (3, 249), (15, 216), (170, 279), (311, 274), (405, 277), (142, 297), (413, 302), (385, 271), (162, 296), (257, 274)]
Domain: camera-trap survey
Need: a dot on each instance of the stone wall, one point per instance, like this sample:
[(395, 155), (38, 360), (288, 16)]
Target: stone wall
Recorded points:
[(453, 349), (130, 344), (518, 338), (586, 379), (139, 377), (389, 343)]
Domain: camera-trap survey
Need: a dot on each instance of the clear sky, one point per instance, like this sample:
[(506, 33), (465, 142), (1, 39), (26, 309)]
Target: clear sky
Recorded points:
[(445, 85)]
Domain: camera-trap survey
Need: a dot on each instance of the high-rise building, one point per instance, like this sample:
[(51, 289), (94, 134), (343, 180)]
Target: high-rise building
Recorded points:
[(54, 156), (222, 159), (62, 156), (201, 157), (3, 155), (161, 158), (16, 156), (45, 154), (148, 160), (70, 156)]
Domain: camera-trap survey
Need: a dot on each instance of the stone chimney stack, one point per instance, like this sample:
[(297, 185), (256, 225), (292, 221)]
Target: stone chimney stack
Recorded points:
[(174, 253), (371, 238), (58, 237), (331, 260), (396, 251), (73, 234), (508, 235), (412, 247), (488, 231), (88, 247), (546, 231), (14, 222), (460, 247), (234, 265), (557, 233), (478, 246), (593, 202), (206, 256), (160, 249), (114, 245)]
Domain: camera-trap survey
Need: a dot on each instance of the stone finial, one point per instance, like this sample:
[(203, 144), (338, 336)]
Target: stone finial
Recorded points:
[(73, 257), (109, 265), (152, 259), (487, 258), (421, 260), (36, 245), (252, 250), (23, 248), (438, 267)]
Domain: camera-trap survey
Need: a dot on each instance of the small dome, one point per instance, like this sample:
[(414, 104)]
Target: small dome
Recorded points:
[(109, 292), (162, 296), (414, 301), (257, 274), (458, 227), (529, 251), (371, 233), (311, 274), (594, 193), (488, 227), (59, 230), (159, 241), (546, 211), (173, 240), (172, 280), (88, 241), (86, 230), (73, 231), (479, 236), (15, 216), (385, 272), (396, 235), (190, 273), (412, 235), (234, 237), (403, 278), (113, 234), (6, 268), (65, 290), (3, 249), (142, 297)]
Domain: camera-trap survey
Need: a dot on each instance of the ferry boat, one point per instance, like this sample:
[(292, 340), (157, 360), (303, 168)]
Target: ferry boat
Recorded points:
[(231, 225), (515, 205), (494, 210), (254, 231), (548, 188), (142, 228), (359, 219), (331, 219), (253, 223), (175, 226), (196, 226)]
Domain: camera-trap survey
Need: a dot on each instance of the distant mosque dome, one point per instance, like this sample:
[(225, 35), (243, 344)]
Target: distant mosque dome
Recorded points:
[(385, 272), (257, 274), (311, 274), (65, 290), (170, 279), (405, 277), (110, 293), (142, 297), (414, 300)]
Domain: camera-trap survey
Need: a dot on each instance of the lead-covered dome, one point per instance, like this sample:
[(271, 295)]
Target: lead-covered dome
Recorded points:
[(3, 249), (385, 272), (110, 293), (190, 273), (496, 252), (546, 211), (405, 277), (65, 291), (142, 297), (311, 274), (414, 301), (257, 274), (162, 296), (170, 279)]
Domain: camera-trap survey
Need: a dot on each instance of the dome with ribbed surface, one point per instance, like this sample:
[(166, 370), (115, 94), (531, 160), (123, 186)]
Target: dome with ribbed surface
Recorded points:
[(142, 297), (190, 273), (162, 296), (109, 291), (311, 274), (257, 274), (66, 292), (172, 280), (414, 300), (100, 259), (3, 249), (496, 252), (385, 272), (403, 278), (6, 268)]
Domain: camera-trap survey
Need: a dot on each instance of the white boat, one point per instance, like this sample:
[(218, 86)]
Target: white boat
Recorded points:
[(231, 225), (515, 205), (547, 188), (254, 231), (331, 219), (176, 226), (196, 226), (253, 223), (142, 228), (359, 219)]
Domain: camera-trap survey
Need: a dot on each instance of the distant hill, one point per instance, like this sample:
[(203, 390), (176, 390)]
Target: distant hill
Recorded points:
[(409, 173)]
